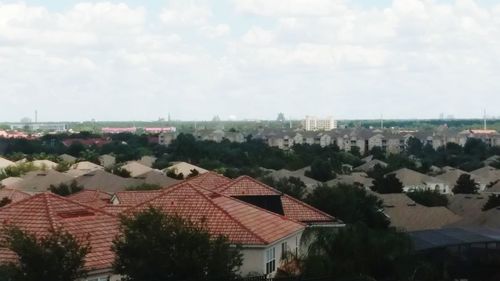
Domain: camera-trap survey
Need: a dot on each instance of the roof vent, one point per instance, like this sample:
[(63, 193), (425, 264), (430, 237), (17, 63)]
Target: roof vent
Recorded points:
[(480, 197), (75, 214), (41, 174), (411, 204), (88, 175)]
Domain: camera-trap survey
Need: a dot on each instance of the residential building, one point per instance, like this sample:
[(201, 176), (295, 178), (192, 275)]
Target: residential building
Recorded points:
[(312, 123), (36, 126), (46, 212), (261, 234), (413, 180)]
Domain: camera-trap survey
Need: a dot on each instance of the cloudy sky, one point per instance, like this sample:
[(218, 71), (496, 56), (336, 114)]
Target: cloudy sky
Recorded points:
[(352, 59)]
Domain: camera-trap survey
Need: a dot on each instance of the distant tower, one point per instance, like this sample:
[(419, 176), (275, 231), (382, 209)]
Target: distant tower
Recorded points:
[(36, 116), (169, 119), (381, 121)]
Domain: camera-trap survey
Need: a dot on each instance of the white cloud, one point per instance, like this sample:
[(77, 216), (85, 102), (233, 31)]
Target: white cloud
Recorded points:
[(216, 31), (119, 61)]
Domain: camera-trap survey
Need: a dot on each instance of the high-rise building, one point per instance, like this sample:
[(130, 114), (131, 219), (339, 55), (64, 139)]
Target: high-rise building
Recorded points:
[(312, 123)]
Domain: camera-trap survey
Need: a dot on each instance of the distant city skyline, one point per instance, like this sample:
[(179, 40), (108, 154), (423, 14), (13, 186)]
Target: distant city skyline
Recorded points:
[(248, 59)]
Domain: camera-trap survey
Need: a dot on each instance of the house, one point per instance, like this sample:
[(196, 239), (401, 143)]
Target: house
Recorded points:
[(67, 158), (489, 219), (284, 173), (13, 195), (156, 177), (256, 193), (40, 181), (451, 175), (413, 180), (82, 168), (357, 179), (405, 214), (94, 198), (107, 160), (46, 212), (136, 169), (134, 198), (370, 165), (4, 163), (105, 181), (467, 205), (44, 164), (488, 173), (147, 160), (209, 180), (167, 138), (184, 168), (262, 235)]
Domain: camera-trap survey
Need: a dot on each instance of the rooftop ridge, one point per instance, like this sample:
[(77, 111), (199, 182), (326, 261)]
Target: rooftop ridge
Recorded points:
[(240, 178), (229, 216)]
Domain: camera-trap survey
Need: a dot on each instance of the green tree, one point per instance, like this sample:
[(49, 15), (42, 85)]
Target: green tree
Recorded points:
[(62, 167), (465, 185), (321, 170), (292, 186), (388, 184), (154, 246), (429, 198), (57, 256), (493, 202), (414, 146), (350, 204), (65, 189), (358, 252)]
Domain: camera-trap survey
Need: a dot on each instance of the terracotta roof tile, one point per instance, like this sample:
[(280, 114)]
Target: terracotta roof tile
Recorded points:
[(293, 208), (40, 213), (210, 180), (94, 198), (222, 215), (13, 195), (134, 198)]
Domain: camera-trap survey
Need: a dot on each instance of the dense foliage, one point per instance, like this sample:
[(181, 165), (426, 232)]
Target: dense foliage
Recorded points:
[(387, 184), (465, 185), (156, 247), (65, 189), (358, 252), (350, 204), (56, 257), (429, 198)]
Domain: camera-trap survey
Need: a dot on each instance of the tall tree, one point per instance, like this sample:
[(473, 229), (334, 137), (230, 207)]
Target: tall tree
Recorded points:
[(154, 246), (465, 185), (321, 170), (350, 204), (388, 184), (57, 257)]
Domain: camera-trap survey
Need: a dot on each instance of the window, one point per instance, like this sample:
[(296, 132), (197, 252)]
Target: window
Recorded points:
[(284, 250), (270, 260)]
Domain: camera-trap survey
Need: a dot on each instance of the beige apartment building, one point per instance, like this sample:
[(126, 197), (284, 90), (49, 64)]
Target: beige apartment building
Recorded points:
[(312, 123)]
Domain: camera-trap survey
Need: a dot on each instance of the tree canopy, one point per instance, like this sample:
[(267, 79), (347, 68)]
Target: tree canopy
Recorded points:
[(57, 257), (154, 246), (387, 184), (429, 198), (465, 185), (350, 204)]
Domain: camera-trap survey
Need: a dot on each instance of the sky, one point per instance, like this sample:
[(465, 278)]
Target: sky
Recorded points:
[(248, 59)]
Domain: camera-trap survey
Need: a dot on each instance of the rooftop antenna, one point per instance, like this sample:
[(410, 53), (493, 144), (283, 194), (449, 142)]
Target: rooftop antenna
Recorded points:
[(381, 121), (290, 123), (36, 116), (484, 120)]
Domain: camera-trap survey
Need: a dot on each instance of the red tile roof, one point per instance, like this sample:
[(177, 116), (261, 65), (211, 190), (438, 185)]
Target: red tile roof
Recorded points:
[(292, 208), (246, 185), (134, 198), (242, 223), (13, 195), (115, 209), (94, 198), (210, 180), (45, 211)]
